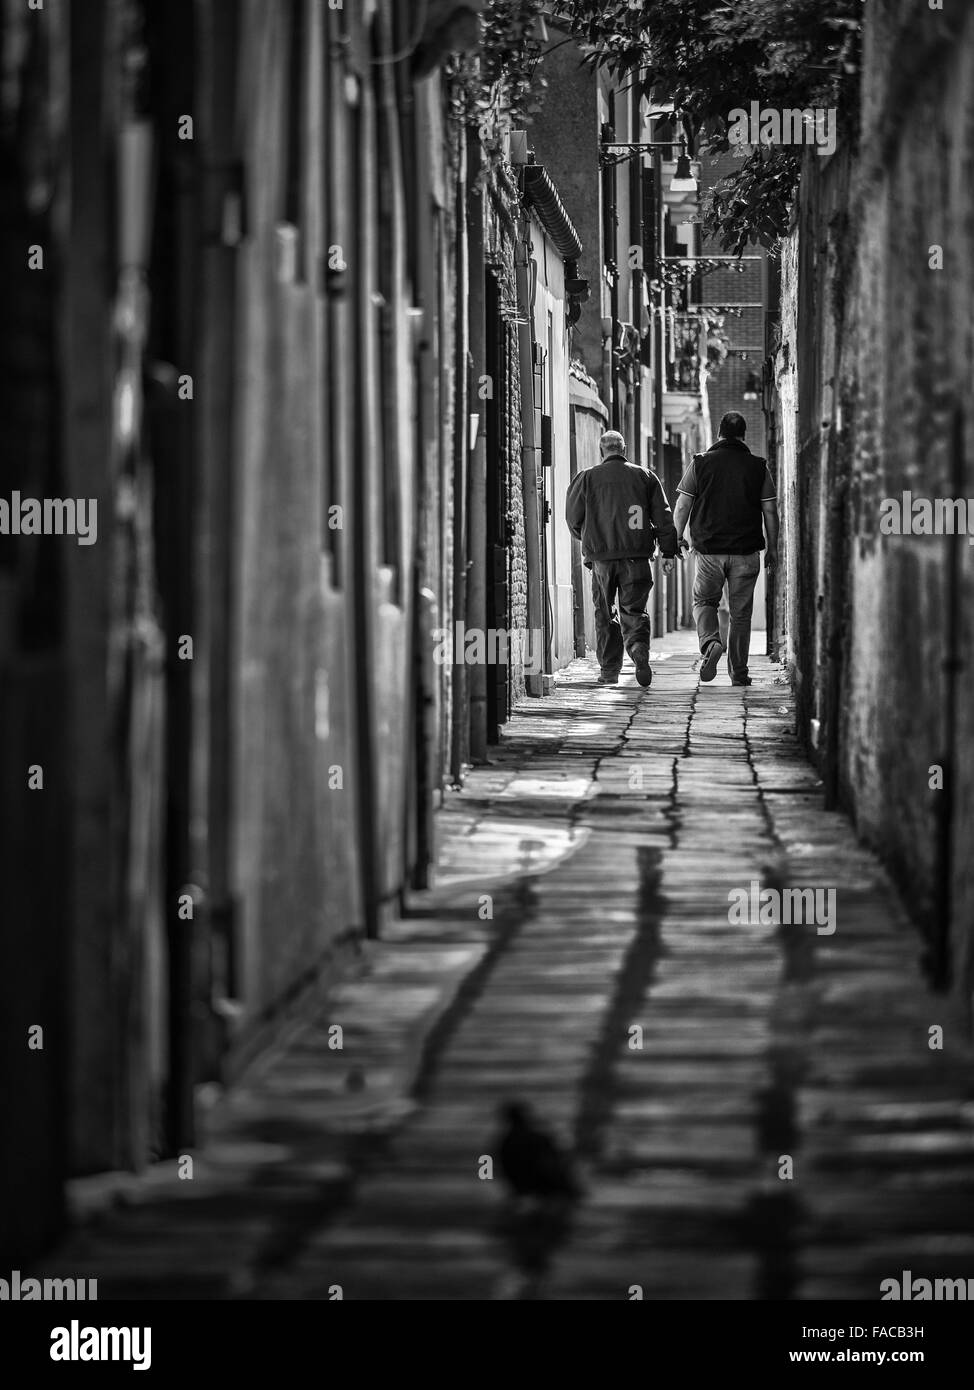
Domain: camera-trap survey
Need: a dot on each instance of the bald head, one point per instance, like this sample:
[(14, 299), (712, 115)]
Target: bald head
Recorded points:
[(612, 442)]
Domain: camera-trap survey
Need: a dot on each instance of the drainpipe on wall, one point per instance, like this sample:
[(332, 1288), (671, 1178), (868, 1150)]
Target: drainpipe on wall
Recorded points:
[(530, 448), (658, 326), (222, 228), (459, 719), (771, 450), (137, 679), (636, 277), (947, 955), (476, 615), (610, 382), (836, 559)]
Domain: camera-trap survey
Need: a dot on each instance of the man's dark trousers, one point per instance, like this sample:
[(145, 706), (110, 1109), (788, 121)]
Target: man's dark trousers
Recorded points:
[(630, 580)]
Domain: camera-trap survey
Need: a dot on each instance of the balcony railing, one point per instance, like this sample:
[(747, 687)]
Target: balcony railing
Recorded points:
[(683, 349)]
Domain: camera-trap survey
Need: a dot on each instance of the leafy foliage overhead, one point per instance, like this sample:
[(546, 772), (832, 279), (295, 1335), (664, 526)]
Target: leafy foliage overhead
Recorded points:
[(499, 84), (709, 57)]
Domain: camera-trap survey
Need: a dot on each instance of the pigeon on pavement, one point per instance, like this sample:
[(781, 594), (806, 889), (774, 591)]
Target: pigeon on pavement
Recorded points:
[(530, 1160)]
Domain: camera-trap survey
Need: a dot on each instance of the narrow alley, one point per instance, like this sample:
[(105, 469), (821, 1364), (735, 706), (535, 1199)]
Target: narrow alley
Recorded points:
[(486, 629), (357, 1172)]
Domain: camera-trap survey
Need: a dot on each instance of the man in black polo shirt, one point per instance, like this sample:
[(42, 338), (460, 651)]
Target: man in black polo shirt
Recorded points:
[(725, 494)]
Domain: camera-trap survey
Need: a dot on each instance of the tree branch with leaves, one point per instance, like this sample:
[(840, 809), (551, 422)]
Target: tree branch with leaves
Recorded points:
[(710, 57)]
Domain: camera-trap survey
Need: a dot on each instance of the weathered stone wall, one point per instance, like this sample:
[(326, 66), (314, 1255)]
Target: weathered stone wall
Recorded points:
[(813, 446), (301, 271), (885, 361), (35, 842), (334, 409), (785, 406), (911, 596), (589, 419)]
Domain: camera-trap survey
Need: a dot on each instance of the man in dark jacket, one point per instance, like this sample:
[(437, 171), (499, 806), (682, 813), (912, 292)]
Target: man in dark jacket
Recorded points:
[(726, 494), (618, 511)]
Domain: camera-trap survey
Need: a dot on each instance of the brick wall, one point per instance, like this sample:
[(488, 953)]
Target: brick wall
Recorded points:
[(518, 571), (565, 134)]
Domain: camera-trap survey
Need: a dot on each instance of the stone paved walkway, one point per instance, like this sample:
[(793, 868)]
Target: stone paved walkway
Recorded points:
[(688, 1060)]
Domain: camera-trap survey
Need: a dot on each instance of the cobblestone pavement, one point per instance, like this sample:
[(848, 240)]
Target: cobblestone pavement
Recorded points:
[(604, 838)]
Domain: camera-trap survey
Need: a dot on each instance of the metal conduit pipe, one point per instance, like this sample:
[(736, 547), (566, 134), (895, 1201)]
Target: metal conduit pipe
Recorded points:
[(530, 449)]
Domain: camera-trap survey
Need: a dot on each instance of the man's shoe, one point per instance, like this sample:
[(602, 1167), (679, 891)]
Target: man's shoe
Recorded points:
[(644, 672), (608, 679), (746, 681), (711, 657)]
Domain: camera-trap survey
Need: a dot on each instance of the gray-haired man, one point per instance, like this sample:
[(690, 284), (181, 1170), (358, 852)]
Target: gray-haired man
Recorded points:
[(618, 511)]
